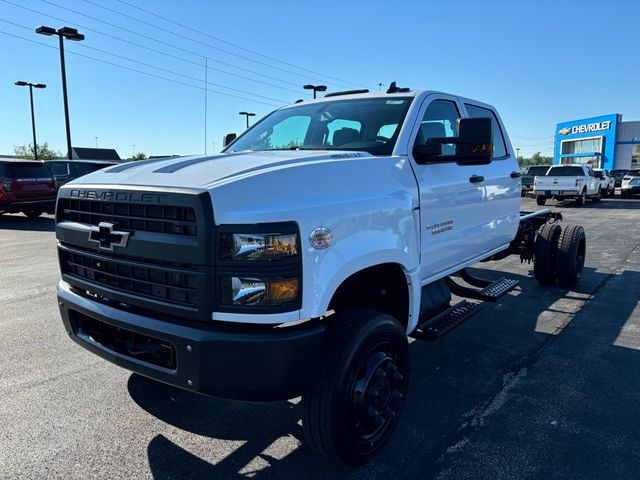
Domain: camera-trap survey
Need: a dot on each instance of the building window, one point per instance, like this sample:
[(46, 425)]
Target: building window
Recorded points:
[(635, 156)]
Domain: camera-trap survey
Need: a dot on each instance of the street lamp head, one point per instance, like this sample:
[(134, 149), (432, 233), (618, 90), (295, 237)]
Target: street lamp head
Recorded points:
[(21, 83), (243, 113), (251, 114), (70, 34), (39, 85), (48, 31), (317, 88)]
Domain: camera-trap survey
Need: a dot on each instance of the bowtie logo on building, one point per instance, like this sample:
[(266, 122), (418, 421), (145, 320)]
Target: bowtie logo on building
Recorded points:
[(564, 131)]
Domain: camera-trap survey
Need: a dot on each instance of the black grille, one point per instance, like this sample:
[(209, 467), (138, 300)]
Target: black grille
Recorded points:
[(172, 286), (131, 216)]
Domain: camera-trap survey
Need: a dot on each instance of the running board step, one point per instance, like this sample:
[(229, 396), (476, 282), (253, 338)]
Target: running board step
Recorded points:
[(441, 324), (490, 293)]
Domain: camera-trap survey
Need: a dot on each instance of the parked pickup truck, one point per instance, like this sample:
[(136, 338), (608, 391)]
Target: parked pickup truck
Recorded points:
[(607, 182), (26, 186), (527, 178), (298, 261), (567, 181)]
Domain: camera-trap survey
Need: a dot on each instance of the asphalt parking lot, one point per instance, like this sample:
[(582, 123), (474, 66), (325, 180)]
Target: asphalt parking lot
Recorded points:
[(543, 384)]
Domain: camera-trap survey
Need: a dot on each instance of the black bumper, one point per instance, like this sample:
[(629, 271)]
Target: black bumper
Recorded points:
[(48, 206), (239, 362)]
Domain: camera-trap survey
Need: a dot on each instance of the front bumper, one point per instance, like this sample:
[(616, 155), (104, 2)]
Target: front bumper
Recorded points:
[(243, 362)]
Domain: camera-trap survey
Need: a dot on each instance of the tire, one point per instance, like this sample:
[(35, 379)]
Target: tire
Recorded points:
[(33, 213), (540, 200), (598, 197), (355, 405), (582, 199), (572, 248), (545, 252)]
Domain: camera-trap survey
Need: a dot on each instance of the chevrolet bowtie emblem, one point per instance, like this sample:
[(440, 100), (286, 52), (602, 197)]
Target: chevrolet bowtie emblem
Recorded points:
[(564, 131), (107, 238)]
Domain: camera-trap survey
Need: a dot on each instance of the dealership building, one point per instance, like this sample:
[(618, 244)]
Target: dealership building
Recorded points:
[(603, 142)]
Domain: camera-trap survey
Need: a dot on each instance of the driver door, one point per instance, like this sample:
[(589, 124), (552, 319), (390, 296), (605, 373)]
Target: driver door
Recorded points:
[(451, 196)]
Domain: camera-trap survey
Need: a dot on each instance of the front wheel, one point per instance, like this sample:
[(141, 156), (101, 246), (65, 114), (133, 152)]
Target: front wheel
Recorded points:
[(355, 405), (541, 200)]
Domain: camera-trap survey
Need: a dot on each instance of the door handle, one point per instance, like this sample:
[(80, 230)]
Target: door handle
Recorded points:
[(516, 174), (476, 178)]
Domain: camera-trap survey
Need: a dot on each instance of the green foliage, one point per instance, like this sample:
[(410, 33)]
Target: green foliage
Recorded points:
[(44, 152), (536, 159), (139, 156)]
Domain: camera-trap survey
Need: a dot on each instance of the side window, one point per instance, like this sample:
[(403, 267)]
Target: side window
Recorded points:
[(341, 132), (499, 147), (440, 120), (59, 168), (387, 131)]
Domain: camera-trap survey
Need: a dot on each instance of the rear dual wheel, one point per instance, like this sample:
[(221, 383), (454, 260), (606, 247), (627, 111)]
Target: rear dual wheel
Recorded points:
[(559, 253), (355, 405)]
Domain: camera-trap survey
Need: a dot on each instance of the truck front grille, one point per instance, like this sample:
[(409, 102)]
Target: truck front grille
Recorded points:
[(170, 285), (131, 216)]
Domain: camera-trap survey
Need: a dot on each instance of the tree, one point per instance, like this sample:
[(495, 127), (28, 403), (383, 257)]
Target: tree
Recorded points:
[(44, 152), (536, 159), (139, 156)]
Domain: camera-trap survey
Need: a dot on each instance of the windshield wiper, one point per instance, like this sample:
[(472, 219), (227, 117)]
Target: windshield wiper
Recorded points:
[(292, 148)]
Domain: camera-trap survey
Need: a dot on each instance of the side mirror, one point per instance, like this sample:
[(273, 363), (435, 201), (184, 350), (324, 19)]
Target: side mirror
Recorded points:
[(228, 138), (474, 144)]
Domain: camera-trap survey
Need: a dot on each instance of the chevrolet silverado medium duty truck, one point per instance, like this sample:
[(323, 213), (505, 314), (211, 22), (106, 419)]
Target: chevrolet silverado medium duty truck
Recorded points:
[(567, 181), (297, 262)]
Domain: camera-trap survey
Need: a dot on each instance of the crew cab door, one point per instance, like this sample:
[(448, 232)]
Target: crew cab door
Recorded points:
[(451, 195), (502, 185)]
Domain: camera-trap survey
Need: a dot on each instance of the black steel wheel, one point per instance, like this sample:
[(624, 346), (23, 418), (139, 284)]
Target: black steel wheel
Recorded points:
[(541, 200), (355, 405), (33, 213), (545, 252), (572, 252)]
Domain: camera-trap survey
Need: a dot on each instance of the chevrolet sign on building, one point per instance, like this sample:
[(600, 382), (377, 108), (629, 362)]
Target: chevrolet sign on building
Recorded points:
[(602, 142)]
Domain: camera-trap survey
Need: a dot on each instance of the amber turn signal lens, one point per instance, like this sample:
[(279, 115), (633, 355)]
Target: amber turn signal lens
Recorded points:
[(284, 291)]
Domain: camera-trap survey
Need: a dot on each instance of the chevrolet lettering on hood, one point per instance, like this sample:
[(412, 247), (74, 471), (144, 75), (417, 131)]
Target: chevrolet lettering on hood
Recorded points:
[(111, 196)]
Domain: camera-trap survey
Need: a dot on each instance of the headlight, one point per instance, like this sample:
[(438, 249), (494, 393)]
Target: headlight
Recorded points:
[(258, 246), (251, 291)]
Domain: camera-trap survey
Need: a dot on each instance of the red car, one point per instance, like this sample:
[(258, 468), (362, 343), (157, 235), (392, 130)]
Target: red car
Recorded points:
[(26, 186)]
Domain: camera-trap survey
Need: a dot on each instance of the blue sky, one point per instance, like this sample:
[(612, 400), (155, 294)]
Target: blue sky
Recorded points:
[(539, 63)]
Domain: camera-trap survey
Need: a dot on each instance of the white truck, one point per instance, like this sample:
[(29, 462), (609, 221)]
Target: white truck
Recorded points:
[(297, 262), (607, 182), (630, 184), (567, 181)]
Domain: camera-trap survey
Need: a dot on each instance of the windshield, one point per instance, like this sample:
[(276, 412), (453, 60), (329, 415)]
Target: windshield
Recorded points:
[(368, 125), (538, 170), (618, 172)]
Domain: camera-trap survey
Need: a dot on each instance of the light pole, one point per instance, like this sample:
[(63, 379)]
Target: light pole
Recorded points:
[(70, 34), (33, 115), (96, 142), (517, 153), (315, 88), (247, 115)]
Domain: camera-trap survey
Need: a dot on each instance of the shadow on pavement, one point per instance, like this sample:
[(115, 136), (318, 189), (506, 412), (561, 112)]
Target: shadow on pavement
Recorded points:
[(23, 223), (451, 379)]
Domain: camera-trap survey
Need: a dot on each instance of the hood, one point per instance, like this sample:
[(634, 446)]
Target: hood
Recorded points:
[(208, 171)]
